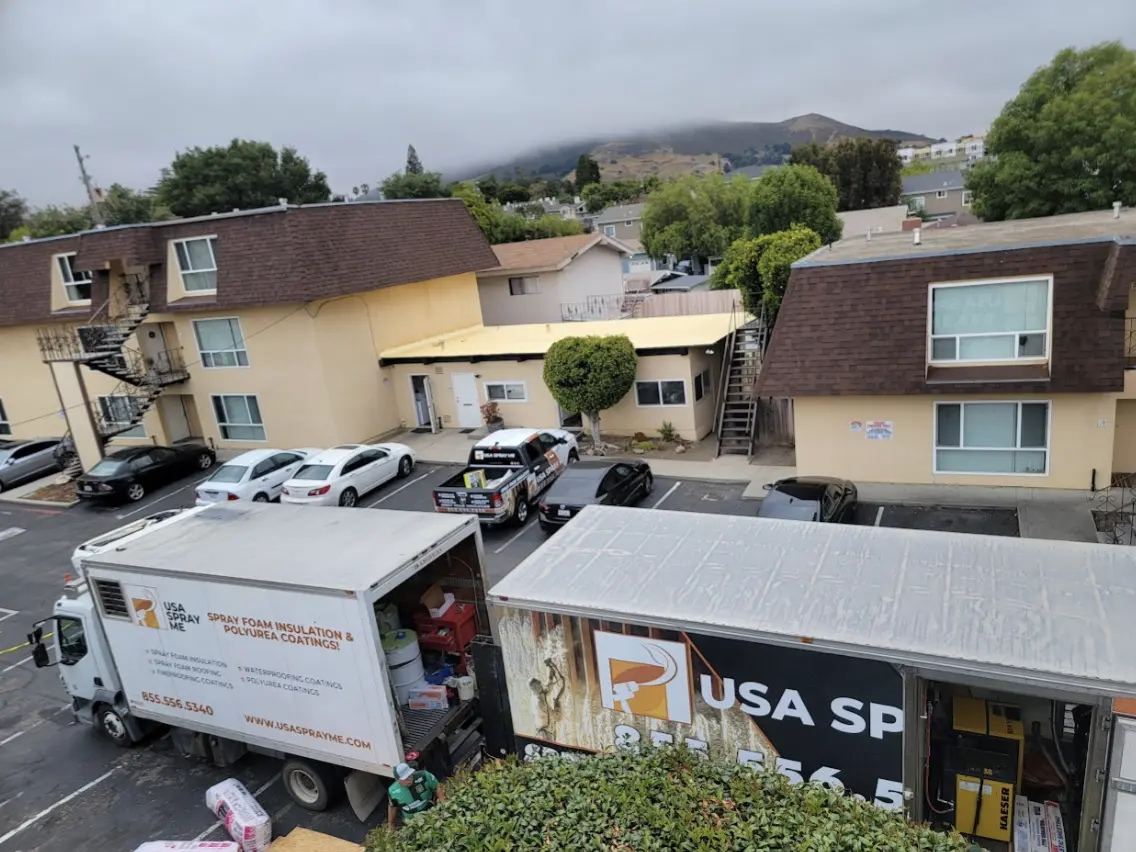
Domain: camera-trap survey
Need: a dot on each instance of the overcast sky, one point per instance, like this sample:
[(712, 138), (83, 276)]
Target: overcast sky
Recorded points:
[(350, 82)]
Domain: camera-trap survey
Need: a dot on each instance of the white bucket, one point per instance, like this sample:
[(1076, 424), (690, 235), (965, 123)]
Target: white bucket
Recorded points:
[(404, 660), (465, 688)]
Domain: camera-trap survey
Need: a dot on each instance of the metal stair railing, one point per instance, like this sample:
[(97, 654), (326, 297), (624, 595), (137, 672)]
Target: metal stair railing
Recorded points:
[(724, 378)]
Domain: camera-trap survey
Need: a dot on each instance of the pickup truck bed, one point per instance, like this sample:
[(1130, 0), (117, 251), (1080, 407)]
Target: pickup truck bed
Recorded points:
[(493, 504)]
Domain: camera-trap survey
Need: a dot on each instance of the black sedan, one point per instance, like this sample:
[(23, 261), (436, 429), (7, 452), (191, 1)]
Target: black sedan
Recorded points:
[(810, 498), (585, 483), (130, 473)]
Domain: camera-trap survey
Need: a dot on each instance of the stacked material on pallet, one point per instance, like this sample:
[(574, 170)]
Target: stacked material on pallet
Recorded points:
[(1038, 826), (304, 840)]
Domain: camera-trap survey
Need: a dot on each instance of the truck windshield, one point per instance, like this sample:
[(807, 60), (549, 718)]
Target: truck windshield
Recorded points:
[(72, 641)]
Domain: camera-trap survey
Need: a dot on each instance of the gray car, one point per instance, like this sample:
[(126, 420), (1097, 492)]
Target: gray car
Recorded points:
[(21, 461)]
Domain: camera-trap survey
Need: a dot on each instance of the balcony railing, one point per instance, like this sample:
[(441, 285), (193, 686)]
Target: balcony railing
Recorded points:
[(595, 308), (1130, 343)]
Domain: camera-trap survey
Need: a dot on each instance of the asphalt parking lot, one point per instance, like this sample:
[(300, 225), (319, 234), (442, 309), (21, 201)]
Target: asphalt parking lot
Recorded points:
[(64, 788)]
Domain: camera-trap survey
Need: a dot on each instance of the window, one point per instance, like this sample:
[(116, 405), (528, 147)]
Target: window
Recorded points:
[(609, 230), (548, 442), (702, 384), (992, 437), (506, 392), (666, 392), (198, 262), (917, 202), (221, 343), (626, 224), (524, 286), (120, 412), (940, 193), (966, 197), (72, 641), (238, 417), (76, 284), (5, 423), (111, 599), (990, 321)]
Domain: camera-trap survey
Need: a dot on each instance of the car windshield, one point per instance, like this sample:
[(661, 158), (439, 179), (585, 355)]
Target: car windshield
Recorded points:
[(107, 467), (314, 472), (229, 473)]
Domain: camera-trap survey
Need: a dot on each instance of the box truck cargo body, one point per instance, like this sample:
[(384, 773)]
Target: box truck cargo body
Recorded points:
[(938, 673), (258, 627)]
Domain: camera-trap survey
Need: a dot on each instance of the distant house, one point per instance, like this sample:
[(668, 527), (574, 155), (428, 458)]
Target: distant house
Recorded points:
[(677, 282), (621, 222), (937, 195), (554, 280), (574, 209), (881, 220)]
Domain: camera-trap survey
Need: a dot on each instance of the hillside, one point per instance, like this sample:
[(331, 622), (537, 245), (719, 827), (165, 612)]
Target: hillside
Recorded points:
[(688, 149)]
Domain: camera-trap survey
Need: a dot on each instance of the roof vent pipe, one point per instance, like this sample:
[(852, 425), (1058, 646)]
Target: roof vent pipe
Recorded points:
[(918, 232), (1116, 209)]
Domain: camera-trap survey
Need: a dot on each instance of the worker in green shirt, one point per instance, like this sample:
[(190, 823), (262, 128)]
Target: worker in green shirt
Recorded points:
[(413, 792)]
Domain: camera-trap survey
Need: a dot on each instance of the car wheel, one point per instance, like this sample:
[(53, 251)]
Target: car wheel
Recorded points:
[(135, 492), (205, 461), (260, 498), (573, 457), (521, 510), (648, 486), (404, 467), (111, 725), (348, 498)]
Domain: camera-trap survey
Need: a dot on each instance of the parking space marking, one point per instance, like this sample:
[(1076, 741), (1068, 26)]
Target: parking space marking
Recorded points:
[(400, 488), (11, 532), (672, 490), (514, 537), (7, 613), (879, 516), (218, 823), (32, 820), (7, 740), (15, 665), (160, 499)]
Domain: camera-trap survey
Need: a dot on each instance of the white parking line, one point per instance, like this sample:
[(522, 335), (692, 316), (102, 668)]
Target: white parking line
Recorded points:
[(879, 516), (14, 665), (11, 532), (160, 499), (659, 502), (7, 613), (6, 801), (514, 537), (218, 824), (7, 740), (400, 488), (32, 820)]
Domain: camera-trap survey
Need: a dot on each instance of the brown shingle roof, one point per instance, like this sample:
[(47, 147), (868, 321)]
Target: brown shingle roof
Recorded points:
[(848, 329), (541, 255), (273, 256)]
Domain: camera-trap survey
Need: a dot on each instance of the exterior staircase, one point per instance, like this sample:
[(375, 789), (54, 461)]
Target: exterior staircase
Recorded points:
[(737, 403), (100, 344)]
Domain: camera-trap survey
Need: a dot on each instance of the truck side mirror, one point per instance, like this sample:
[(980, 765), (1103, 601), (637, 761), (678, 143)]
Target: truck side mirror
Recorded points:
[(36, 636), (39, 656)]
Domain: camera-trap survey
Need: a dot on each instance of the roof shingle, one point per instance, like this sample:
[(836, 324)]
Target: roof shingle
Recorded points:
[(540, 255)]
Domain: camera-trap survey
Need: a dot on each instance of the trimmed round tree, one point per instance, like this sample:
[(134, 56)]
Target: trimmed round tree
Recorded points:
[(590, 374), (651, 800)]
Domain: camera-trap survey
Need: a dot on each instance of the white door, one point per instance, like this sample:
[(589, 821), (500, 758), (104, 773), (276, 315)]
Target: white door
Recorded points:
[(465, 398), (430, 403), (172, 411), (1119, 825)]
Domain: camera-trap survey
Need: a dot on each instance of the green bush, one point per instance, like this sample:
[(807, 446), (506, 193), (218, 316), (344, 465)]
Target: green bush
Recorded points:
[(668, 432), (590, 374), (656, 800)]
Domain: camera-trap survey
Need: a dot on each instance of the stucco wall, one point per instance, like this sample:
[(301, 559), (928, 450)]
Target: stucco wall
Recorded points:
[(705, 408), (627, 417), (1124, 446), (597, 272), (26, 389), (411, 312), (1081, 430)]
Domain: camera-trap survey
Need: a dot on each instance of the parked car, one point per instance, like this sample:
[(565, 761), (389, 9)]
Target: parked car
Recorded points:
[(21, 461), (97, 545), (810, 498), (258, 475), (341, 475), (588, 483), (131, 472)]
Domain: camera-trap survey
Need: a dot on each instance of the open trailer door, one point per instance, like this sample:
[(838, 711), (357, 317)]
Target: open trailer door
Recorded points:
[(1119, 826)]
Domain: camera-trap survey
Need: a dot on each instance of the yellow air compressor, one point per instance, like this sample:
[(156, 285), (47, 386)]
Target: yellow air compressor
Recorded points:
[(986, 762)]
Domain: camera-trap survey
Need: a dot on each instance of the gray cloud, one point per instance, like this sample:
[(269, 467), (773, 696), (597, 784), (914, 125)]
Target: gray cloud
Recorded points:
[(350, 82)]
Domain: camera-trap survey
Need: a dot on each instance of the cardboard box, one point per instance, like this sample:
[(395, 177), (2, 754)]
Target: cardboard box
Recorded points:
[(1021, 825), (428, 697), (1039, 837), (437, 601), (1055, 827)]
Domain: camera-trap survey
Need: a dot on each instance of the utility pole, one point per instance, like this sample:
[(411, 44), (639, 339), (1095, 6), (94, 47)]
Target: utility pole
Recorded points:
[(92, 192)]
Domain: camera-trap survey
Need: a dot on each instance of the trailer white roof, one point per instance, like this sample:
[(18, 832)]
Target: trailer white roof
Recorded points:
[(1047, 613), (315, 547)]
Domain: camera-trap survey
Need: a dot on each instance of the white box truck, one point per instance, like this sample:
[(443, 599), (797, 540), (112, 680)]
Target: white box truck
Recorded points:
[(938, 673), (256, 627)]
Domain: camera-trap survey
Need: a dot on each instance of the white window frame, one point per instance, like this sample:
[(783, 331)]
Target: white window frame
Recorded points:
[(530, 285), (1025, 359), (211, 241), (661, 404), (206, 355), (502, 383), (705, 382), (918, 202), (67, 274), (105, 411), (962, 403), (940, 193), (221, 426), (609, 230), (967, 197), (5, 423)]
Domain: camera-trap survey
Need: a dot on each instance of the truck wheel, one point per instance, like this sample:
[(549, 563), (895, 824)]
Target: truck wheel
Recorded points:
[(113, 727), (521, 509), (311, 785)]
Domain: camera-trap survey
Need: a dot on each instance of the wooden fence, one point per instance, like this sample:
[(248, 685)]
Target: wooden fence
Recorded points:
[(688, 304), (775, 426)]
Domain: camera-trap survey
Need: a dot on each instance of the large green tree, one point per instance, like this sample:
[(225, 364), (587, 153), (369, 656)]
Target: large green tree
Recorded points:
[(125, 206), (1066, 143), (239, 176), (590, 375), (407, 185), (794, 195), (413, 164), (53, 221), (597, 196), (501, 227), (13, 211), (666, 798), (693, 216), (587, 171), (760, 267), (865, 171)]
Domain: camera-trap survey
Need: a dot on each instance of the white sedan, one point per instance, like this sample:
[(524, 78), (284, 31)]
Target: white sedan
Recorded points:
[(341, 475), (257, 475)]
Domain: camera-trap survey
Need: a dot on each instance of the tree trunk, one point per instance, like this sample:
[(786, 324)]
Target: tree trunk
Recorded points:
[(594, 422)]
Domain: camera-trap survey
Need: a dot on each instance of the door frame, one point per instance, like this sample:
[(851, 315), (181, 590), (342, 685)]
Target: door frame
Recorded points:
[(431, 410), (457, 402)]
